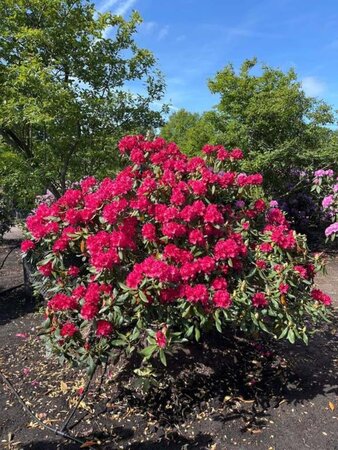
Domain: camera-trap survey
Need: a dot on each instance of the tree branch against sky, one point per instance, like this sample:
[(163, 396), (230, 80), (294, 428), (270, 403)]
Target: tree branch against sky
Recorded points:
[(68, 91)]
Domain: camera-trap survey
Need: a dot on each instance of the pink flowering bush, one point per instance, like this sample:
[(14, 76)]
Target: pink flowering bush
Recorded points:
[(325, 185), (169, 249)]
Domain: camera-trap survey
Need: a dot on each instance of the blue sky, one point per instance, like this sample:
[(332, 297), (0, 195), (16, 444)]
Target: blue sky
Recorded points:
[(193, 39)]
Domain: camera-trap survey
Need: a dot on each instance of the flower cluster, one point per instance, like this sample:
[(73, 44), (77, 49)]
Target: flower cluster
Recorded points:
[(325, 183), (311, 203), (170, 247)]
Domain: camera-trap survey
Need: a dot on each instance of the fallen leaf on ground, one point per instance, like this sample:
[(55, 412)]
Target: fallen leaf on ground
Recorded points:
[(22, 335), (63, 387), (89, 444)]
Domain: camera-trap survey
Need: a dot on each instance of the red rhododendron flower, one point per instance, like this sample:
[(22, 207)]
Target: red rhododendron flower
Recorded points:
[(137, 156), (189, 270), (73, 271), (199, 187), (236, 153), (68, 329), (219, 283), (206, 264), (111, 211), (276, 217), (260, 205), (62, 302), (149, 232), (87, 183), (228, 248), (222, 299), (209, 149), (196, 237), (93, 293), (226, 179), (104, 328), (213, 215), (60, 244), (173, 229), (70, 198), (161, 339), (259, 300), (261, 264), (266, 247), (318, 295), (301, 271), (46, 269), (222, 154), (177, 197), (282, 237), (27, 245), (283, 288), (89, 311), (197, 293)]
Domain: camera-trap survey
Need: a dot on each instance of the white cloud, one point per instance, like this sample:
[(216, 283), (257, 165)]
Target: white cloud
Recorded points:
[(124, 6), (163, 32), (105, 6), (148, 27), (312, 86)]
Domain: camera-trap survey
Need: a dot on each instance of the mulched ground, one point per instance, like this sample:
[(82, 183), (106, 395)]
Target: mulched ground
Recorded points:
[(224, 393)]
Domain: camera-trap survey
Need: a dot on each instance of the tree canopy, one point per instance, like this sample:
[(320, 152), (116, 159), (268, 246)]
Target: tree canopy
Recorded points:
[(264, 111), (72, 82)]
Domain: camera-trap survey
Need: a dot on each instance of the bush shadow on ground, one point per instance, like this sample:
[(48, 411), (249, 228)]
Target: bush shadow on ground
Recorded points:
[(172, 442), (238, 377), (228, 377), (14, 304)]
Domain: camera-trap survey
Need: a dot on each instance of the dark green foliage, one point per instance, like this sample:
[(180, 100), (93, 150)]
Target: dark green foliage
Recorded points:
[(72, 82)]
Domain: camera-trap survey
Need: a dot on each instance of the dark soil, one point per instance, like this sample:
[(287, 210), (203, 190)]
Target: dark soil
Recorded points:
[(224, 393)]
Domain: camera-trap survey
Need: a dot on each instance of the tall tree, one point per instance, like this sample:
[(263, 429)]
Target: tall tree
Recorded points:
[(265, 111), (189, 130), (72, 81)]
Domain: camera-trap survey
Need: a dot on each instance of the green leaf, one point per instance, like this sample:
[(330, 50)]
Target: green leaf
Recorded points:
[(148, 351), (143, 296), (118, 343), (163, 357), (291, 336), (187, 312), (189, 331), (262, 326), (305, 338), (197, 333), (283, 333)]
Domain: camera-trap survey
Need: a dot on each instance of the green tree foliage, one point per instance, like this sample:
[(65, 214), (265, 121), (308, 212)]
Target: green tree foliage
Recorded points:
[(264, 111), (269, 115), (178, 127), (189, 130), (6, 217), (72, 82)]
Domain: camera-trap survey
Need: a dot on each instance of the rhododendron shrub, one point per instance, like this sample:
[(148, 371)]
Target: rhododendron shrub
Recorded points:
[(325, 185), (169, 249), (311, 202)]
